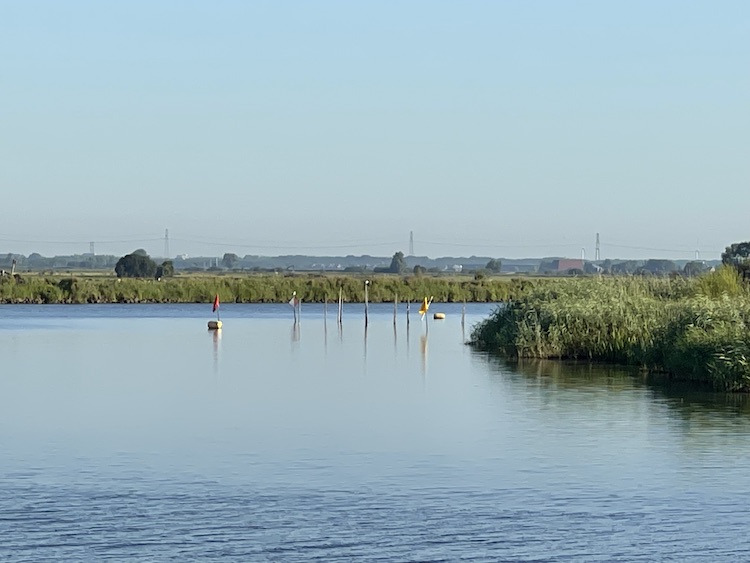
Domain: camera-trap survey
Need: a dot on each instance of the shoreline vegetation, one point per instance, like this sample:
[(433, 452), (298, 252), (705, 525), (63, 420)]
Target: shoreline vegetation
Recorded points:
[(686, 329), (270, 288)]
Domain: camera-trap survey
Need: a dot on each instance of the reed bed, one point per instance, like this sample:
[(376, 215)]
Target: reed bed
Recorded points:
[(256, 289), (689, 329)]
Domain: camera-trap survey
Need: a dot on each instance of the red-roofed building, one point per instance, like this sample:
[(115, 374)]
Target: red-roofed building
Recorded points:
[(565, 264)]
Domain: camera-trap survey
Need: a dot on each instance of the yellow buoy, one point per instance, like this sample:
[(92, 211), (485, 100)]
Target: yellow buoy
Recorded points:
[(214, 325), (438, 316)]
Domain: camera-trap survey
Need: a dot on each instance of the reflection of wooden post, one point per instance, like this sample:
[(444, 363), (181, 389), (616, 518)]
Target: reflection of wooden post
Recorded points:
[(463, 318), (341, 304)]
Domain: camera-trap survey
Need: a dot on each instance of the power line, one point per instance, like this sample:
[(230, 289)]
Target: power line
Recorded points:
[(680, 251), (349, 244), (492, 245), (285, 246), (29, 241)]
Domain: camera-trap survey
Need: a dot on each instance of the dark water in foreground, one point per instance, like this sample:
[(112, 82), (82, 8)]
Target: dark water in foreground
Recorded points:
[(131, 433)]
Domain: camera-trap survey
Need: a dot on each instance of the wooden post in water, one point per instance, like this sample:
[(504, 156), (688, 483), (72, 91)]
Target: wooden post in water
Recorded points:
[(395, 306), (325, 308), (367, 283), (408, 303)]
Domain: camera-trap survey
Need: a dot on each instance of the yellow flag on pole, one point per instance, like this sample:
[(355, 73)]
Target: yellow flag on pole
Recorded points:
[(424, 307)]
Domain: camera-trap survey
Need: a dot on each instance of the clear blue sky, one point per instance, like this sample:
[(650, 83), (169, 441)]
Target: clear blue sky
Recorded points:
[(499, 128)]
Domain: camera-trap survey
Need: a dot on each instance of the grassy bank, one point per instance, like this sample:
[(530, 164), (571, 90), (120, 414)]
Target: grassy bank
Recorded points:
[(689, 329), (255, 289)]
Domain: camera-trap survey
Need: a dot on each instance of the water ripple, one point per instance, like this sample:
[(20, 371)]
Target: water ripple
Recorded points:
[(211, 523)]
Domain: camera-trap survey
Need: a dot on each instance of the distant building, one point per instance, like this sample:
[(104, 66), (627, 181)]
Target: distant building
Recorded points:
[(566, 264)]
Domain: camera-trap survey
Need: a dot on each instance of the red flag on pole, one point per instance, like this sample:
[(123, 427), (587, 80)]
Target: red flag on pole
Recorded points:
[(216, 302)]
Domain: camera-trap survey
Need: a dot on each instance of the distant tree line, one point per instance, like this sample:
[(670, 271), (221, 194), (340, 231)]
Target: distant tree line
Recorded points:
[(398, 264), (652, 267)]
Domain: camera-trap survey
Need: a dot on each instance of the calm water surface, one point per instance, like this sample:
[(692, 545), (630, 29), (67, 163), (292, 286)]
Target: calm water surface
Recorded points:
[(131, 433)]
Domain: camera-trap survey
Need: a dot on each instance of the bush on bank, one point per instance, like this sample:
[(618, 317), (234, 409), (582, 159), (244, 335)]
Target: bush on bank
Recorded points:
[(689, 329)]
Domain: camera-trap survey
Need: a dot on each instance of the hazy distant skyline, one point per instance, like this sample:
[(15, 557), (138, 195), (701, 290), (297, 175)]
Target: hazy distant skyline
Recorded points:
[(508, 129), (158, 246)]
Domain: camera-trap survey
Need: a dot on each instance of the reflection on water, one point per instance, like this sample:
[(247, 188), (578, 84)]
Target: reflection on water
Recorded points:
[(698, 408), (295, 332), (364, 344), (407, 335), (216, 338), (691, 400), (582, 374), (463, 322), (571, 374)]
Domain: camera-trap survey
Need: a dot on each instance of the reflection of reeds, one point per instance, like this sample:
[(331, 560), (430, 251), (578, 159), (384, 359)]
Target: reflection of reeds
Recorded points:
[(577, 374), (591, 384), (679, 326)]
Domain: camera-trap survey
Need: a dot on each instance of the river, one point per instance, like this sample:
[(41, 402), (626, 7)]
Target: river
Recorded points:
[(132, 433)]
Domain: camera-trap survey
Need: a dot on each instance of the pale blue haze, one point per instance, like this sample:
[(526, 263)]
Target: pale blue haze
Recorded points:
[(497, 128)]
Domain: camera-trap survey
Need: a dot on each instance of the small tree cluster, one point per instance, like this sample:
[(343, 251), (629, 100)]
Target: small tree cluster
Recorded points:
[(139, 265), (493, 266), (165, 270), (398, 264), (135, 265), (230, 260)]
